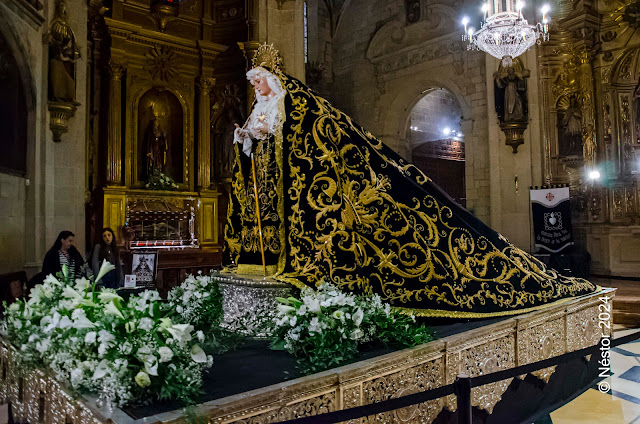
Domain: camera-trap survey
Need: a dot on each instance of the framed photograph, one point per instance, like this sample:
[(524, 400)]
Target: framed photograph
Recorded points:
[(130, 281), (144, 266)]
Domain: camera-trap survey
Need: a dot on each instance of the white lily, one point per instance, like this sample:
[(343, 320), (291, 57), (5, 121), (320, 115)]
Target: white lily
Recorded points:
[(198, 355), (150, 361), (83, 322), (101, 370), (358, 317), (82, 284), (50, 322), (105, 268), (285, 309), (111, 309), (151, 365), (356, 334), (52, 280), (90, 337), (313, 305), (181, 332), (70, 293), (107, 296), (65, 322)]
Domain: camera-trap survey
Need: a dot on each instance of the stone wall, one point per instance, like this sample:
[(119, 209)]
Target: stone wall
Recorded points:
[(12, 215), (51, 196), (283, 26)]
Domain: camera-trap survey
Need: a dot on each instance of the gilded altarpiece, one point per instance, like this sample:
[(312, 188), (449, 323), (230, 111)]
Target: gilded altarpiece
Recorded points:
[(153, 85), (590, 74)]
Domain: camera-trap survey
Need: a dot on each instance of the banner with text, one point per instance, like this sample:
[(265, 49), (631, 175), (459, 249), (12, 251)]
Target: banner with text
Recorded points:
[(551, 211)]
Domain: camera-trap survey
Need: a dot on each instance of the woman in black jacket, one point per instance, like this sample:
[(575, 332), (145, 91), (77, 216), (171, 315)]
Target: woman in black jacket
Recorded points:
[(63, 253)]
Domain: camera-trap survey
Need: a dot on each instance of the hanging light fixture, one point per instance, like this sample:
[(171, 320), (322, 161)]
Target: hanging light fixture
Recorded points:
[(504, 33)]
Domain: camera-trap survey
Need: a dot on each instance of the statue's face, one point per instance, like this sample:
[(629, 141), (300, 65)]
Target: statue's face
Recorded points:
[(156, 124), (261, 86)]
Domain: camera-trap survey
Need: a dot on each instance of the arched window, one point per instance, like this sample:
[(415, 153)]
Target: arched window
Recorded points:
[(13, 114)]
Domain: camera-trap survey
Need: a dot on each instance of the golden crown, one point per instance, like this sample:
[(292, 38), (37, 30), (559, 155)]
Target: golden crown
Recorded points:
[(268, 56)]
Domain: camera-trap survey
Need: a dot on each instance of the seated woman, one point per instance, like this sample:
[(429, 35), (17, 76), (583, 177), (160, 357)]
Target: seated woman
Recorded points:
[(63, 252), (108, 249), (336, 204)]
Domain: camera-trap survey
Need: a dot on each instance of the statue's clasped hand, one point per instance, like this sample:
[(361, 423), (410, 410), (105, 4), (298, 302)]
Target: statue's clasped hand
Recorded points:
[(243, 136)]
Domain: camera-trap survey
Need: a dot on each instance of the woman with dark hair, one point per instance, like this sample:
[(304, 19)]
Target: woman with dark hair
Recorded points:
[(108, 249), (63, 253)]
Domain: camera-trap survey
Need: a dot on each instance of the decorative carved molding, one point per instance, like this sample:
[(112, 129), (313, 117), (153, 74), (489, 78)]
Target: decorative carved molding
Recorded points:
[(542, 342), (161, 63), (116, 70), (163, 13), (423, 377), (514, 133), (60, 114), (205, 84), (440, 21), (418, 55)]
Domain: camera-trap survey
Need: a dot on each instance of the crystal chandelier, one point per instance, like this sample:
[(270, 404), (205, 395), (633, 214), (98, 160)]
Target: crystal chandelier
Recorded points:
[(504, 33)]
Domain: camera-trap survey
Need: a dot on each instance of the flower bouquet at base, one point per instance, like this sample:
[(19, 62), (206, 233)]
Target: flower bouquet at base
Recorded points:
[(325, 328), (125, 351), (160, 181)]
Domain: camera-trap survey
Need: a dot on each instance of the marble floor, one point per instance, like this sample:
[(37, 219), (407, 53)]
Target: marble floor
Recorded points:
[(621, 405)]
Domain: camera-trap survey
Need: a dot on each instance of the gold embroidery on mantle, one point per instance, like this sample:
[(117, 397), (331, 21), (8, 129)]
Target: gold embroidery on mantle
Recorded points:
[(447, 259)]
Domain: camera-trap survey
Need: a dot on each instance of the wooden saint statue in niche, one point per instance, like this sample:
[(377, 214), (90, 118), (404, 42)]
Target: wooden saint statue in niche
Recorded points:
[(160, 135), (155, 146), (570, 129), (63, 53), (511, 92)]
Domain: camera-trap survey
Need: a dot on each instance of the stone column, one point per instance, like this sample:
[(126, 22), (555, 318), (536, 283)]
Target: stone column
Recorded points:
[(249, 48), (204, 134), (114, 156)]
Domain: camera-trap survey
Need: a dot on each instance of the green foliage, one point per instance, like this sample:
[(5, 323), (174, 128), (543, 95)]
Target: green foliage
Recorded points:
[(160, 181)]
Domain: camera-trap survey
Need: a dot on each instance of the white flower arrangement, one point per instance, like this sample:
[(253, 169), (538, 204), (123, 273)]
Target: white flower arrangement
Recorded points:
[(160, 181), (125, 351), (325, 327)]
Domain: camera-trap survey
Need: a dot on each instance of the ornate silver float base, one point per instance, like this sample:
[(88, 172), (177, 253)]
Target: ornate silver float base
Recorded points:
[(249, 303), (519, 340)]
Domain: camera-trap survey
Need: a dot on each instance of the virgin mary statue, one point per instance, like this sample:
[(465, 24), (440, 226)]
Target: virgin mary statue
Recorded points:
[(326, 200)]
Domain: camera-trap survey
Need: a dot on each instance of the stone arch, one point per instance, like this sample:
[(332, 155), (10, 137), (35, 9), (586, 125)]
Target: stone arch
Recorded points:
[(8, 31), (406, 97), (28, 205), (18, 51), (437, 142)]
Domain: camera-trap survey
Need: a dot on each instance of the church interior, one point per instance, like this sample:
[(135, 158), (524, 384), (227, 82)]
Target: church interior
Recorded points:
[(120, 115)]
